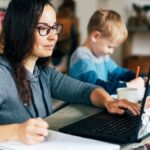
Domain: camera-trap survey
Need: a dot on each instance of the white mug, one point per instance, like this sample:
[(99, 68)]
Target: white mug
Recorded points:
[(131, 94)]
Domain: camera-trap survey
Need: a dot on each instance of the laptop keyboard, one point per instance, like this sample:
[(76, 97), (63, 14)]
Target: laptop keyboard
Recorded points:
[(118, 126)]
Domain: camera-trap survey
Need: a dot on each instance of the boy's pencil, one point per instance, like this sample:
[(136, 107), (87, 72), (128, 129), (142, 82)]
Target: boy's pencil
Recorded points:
[(137, 71)]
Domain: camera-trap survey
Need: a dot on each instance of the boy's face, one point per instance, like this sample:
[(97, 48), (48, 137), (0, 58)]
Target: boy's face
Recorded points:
[(104, 46)]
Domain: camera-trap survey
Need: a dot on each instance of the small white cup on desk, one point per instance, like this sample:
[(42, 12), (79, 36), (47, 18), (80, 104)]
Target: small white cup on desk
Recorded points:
[(131, 94)]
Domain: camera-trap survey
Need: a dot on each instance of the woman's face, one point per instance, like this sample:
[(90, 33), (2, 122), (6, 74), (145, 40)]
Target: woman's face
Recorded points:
[(44, 44)]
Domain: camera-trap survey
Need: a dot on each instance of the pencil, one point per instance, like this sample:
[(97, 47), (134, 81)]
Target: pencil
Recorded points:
[(137, 71)]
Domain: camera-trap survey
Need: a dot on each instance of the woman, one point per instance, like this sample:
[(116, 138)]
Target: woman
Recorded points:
[(28, 85), (2, 14)]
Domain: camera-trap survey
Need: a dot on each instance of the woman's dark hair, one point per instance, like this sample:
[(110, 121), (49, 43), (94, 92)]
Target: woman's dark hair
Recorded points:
[(21, 19)]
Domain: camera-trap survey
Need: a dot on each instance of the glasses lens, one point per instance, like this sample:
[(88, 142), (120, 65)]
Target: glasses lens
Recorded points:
[(57, 28), (42, 30)]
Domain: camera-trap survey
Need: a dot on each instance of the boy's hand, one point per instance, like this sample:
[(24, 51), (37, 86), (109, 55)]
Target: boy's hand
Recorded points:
[(138, 83)]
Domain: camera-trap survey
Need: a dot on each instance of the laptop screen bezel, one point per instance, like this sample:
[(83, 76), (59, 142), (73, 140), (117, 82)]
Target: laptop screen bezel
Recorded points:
[(143, 105), (145, 94)]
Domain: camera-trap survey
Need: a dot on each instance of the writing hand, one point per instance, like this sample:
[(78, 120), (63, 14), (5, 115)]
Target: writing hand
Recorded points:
[(32, 131)]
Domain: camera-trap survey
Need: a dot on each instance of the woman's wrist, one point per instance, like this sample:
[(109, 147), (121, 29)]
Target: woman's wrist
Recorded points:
[(100, 97), (9, 132), (15, 131)]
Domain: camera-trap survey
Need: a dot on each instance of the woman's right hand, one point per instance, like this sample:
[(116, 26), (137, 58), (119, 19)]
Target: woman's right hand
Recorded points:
[(32, 131)]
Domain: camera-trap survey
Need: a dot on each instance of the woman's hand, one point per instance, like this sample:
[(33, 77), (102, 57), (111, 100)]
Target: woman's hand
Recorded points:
[(119, 106), (100, 98), (32, 131)]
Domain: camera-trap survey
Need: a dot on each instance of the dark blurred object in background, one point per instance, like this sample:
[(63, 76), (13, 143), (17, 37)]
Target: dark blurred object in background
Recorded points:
[(69, 36), (141, 20)]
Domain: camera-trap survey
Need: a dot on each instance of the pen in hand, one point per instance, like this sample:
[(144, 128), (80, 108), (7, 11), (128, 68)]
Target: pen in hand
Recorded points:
[(137, 71)]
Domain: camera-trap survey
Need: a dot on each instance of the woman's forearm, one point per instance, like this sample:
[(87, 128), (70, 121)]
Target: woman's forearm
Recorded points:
[(99, 97), (8, 132)]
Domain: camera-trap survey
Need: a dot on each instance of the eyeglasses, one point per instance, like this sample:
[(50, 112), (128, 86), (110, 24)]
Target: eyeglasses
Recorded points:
[(45, 29)]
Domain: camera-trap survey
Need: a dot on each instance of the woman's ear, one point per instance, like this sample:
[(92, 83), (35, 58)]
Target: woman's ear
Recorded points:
[(95, 35)]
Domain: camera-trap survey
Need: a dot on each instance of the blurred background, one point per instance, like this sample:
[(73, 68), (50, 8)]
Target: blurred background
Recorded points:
[(74, 14)]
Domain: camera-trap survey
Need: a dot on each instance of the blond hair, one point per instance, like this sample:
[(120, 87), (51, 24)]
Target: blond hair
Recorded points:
[(109, 24)]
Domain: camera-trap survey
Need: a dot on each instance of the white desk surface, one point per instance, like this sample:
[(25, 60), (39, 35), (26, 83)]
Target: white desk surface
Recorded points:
[(72, 113)]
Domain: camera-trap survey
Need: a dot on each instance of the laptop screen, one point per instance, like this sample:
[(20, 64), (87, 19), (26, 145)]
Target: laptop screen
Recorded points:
[(145, 117)]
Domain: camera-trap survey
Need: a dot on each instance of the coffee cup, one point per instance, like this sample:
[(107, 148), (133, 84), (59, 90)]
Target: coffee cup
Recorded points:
[(131, 94)]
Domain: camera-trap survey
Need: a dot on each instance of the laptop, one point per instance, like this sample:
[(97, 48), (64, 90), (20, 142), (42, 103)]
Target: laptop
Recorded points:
[(125, 128)]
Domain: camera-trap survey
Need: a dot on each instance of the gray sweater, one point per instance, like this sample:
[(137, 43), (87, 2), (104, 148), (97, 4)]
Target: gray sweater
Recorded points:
[(45, 83)]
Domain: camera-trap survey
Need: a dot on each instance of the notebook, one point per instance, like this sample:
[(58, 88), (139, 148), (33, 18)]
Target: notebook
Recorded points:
[(60, 141), (125, 128)]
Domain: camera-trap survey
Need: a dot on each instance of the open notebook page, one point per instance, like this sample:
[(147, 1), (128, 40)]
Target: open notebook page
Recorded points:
[(59, 141)]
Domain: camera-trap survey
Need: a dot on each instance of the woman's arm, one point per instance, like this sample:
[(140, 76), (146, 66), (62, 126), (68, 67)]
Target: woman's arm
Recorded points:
[(30, 132), (8, 132), (69, 89)]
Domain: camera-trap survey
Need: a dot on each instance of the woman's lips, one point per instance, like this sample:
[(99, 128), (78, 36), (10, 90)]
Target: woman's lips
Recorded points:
[(48, 46)]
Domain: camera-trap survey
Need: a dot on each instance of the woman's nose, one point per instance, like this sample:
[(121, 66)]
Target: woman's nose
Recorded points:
[(52, 35)]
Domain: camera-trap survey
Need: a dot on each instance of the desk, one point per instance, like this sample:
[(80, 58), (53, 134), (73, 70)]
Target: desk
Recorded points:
[(72, 113)]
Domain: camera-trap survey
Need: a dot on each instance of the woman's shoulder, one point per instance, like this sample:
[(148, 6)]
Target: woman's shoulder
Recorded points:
[(4, 64), (48, 71), (6, 72)]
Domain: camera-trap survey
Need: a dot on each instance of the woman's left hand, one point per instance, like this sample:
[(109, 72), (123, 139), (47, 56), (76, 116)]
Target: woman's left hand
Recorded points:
[(119, 106)]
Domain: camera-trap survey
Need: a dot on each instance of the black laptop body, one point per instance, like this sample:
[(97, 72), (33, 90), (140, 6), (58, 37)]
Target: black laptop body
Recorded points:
[(112, 128)]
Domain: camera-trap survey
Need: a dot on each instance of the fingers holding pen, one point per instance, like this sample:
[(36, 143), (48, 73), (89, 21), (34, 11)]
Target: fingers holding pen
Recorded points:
[(32, 131)]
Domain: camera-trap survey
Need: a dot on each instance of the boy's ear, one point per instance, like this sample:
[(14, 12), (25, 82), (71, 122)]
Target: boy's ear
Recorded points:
[(95, 35)]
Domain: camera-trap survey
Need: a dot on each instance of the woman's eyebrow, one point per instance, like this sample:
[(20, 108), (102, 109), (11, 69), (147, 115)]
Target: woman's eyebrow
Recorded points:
[(43, 23)]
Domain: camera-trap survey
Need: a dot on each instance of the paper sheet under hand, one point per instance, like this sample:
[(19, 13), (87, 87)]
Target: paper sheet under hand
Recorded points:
[(59, 141)]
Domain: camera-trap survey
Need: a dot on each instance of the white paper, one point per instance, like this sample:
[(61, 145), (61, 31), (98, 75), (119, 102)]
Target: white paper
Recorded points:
[(61, 141)]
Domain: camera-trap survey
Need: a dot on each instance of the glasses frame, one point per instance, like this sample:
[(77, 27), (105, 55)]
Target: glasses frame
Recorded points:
[(50, 28)]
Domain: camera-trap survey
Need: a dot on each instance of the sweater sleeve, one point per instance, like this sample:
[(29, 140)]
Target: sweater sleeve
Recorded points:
[(1, 100), (118, 73), (122, 74), (4, 85), (111, 86), (70, 90), (84, 70)]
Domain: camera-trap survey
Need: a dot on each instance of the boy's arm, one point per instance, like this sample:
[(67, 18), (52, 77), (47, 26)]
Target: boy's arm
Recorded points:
[(110, 86), (118, 73), (121, 74)]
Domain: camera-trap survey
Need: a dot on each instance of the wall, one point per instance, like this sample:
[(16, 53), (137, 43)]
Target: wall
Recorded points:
[(4, 3), (85, 8)]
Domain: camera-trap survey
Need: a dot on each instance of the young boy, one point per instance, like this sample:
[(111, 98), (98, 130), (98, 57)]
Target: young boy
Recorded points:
[(91, 62)]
